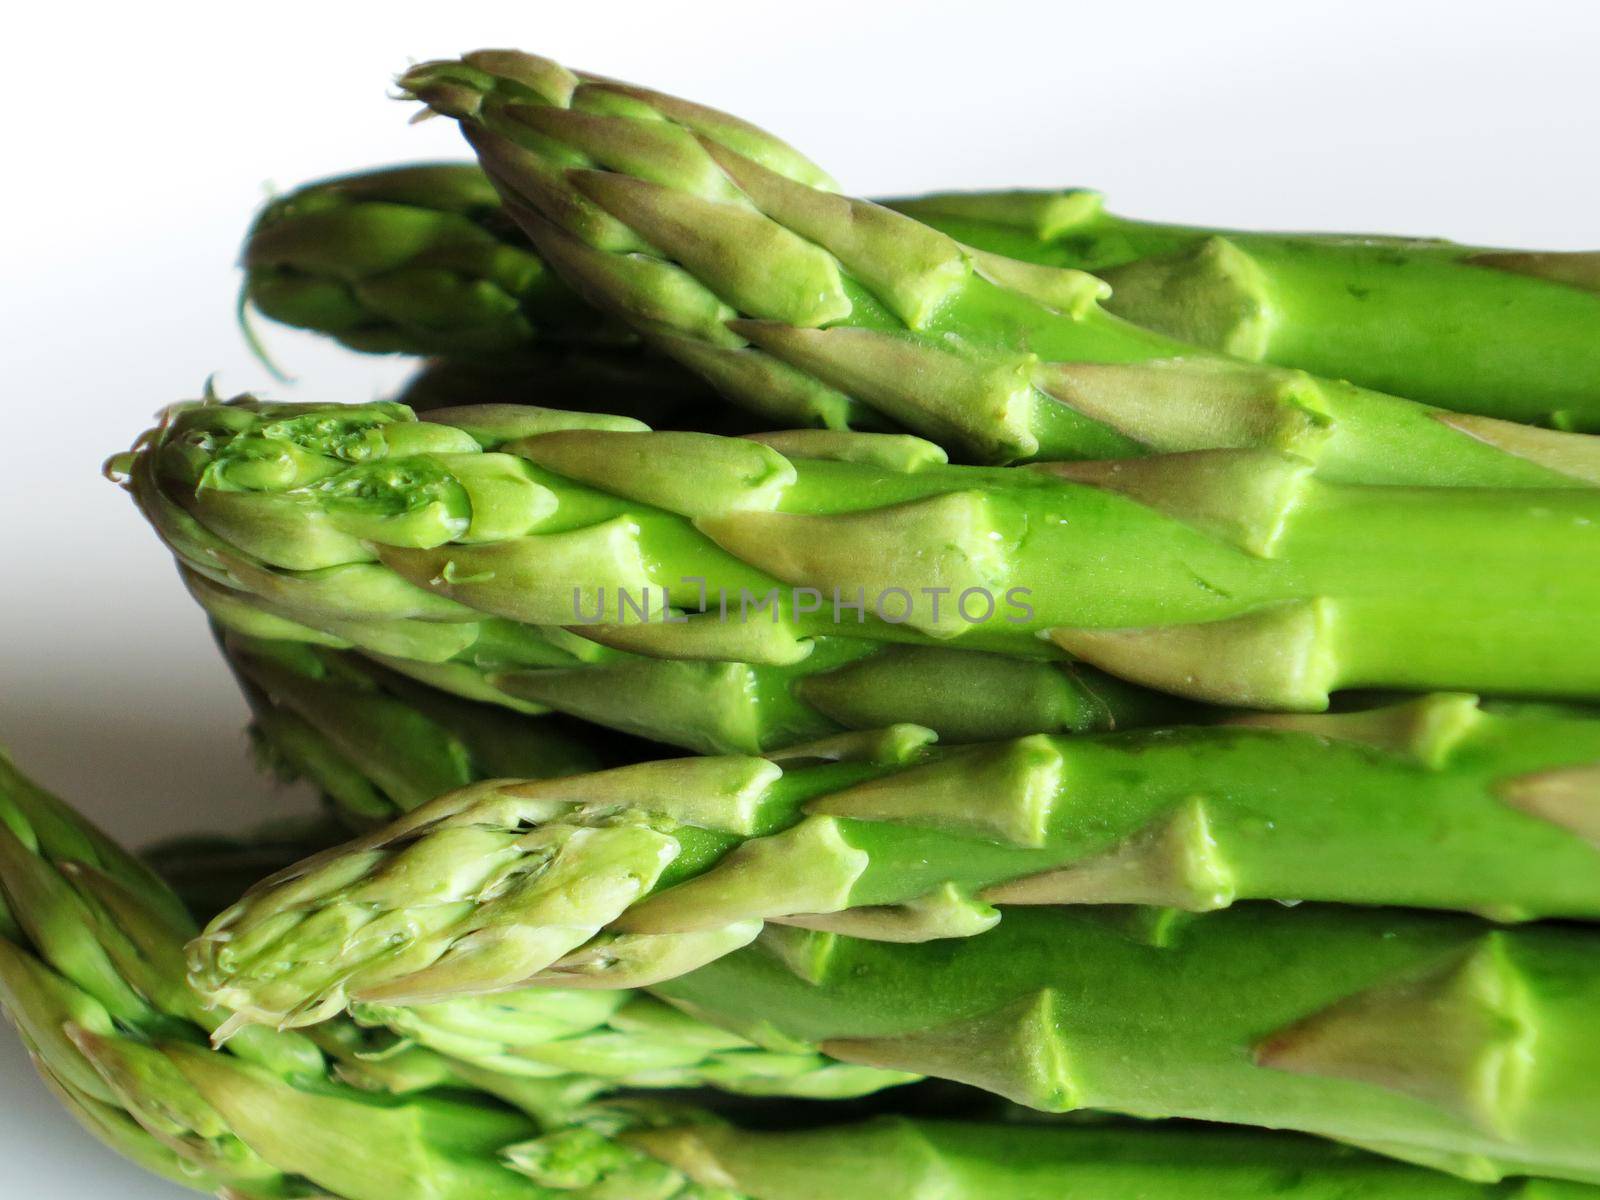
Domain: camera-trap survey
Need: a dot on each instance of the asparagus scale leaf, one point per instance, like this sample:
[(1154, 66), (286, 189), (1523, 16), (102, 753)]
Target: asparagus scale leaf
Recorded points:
[(728, 251)]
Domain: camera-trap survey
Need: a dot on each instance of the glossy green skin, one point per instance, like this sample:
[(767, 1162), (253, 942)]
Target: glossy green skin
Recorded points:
[(1412, 317), (1172, 1029), (1105, 561), (1291, 816)]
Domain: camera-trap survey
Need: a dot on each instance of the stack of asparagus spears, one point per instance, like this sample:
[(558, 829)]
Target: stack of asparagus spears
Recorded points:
[(1134, 678)]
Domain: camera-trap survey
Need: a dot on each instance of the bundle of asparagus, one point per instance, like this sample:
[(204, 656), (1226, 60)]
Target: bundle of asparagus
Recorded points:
[(1019, 573)]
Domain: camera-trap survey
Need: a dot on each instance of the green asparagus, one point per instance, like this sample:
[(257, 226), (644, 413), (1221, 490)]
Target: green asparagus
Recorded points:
[(1432, 1037), (1504, 334), (717, 707), (614, 1037), (1232, 576), (638, 874), (280, 1115), (415, 259), (729, 252), (1104, 843)]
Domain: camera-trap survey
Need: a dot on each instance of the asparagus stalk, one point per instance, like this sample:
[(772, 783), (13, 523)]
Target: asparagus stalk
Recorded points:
[(728, 251), (277, 1115), (362, 754), (875, 884), (1506, 334), (1433, 1038), (1236, 577), (1436, 802), (1502, 333), (90, 972), (1442, 748)]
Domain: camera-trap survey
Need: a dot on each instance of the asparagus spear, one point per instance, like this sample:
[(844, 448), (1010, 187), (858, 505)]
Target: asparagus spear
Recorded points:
[(1462, 760), (1433, 1038), (1236, 577), (362, 753), (729, 252), (1436, 802), (277, 1115), (90, 971), (416, 259), (1504, 334)]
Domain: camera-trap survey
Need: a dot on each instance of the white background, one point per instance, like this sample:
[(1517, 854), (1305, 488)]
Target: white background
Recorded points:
[(138, 138)]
